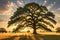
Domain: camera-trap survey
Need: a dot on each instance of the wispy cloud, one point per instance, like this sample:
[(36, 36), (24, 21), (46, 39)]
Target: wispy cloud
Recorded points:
[(45, 1), (8, 7), (4, 6), (58, 9), (7, 10), (51, 5), (20, 3), (56, 12)]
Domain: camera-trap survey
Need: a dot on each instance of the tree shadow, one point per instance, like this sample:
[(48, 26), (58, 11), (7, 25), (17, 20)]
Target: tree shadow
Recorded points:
[(24, 37), (9, 38), (33, 37)]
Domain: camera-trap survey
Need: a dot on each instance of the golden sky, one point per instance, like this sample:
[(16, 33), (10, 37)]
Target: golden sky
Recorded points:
[(8, 7)]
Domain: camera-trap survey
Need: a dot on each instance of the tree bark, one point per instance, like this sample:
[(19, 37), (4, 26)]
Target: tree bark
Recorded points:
[(34, 31), (34, 27), (34, 23)]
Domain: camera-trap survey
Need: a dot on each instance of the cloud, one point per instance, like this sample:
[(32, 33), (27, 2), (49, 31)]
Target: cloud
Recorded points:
[(4, 15), (4, 4), (57, 17), (57, 14), (3, 24), (20, 3), (51, 5), (7, 8), (45, 1), (58, 9), (58, 24)]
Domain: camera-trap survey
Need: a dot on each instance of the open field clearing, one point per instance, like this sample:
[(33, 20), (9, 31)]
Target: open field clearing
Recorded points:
[(29, 36)]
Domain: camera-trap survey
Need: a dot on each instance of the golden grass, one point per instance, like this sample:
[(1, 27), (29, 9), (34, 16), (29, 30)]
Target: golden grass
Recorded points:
[(7, 35)]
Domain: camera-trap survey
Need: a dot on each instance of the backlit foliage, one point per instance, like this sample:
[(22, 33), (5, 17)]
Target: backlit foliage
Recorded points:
[(32, 15)]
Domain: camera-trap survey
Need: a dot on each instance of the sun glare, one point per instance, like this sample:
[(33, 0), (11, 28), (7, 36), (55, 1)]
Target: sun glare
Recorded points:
[(27, 29)]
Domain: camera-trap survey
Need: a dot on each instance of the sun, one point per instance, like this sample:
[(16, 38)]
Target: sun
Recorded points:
[(27, 30)]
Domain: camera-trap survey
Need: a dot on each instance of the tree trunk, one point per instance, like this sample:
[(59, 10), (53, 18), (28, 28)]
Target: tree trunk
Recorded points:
[(34, 31), (34, 27), (34, 24)]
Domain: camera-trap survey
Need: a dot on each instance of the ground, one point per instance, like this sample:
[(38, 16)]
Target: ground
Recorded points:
[(28, 36)]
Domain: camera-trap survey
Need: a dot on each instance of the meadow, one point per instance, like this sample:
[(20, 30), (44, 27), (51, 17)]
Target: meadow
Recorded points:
[(29, 36)]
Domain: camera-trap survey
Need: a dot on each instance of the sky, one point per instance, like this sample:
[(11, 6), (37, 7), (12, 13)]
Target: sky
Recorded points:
[(8, 7)]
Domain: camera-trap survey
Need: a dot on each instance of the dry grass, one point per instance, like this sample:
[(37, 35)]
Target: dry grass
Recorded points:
[(28, 36)]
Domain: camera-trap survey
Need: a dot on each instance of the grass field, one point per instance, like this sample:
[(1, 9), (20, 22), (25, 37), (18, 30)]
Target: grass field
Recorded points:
[(29, 36)]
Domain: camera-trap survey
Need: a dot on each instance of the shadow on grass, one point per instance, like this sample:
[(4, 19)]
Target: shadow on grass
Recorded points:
[(36, 37), (52, 37), (9, 38), (20, 38), (25, 38)]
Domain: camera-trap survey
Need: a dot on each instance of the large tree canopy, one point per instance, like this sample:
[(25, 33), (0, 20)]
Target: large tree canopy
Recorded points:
[(33, 15)]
